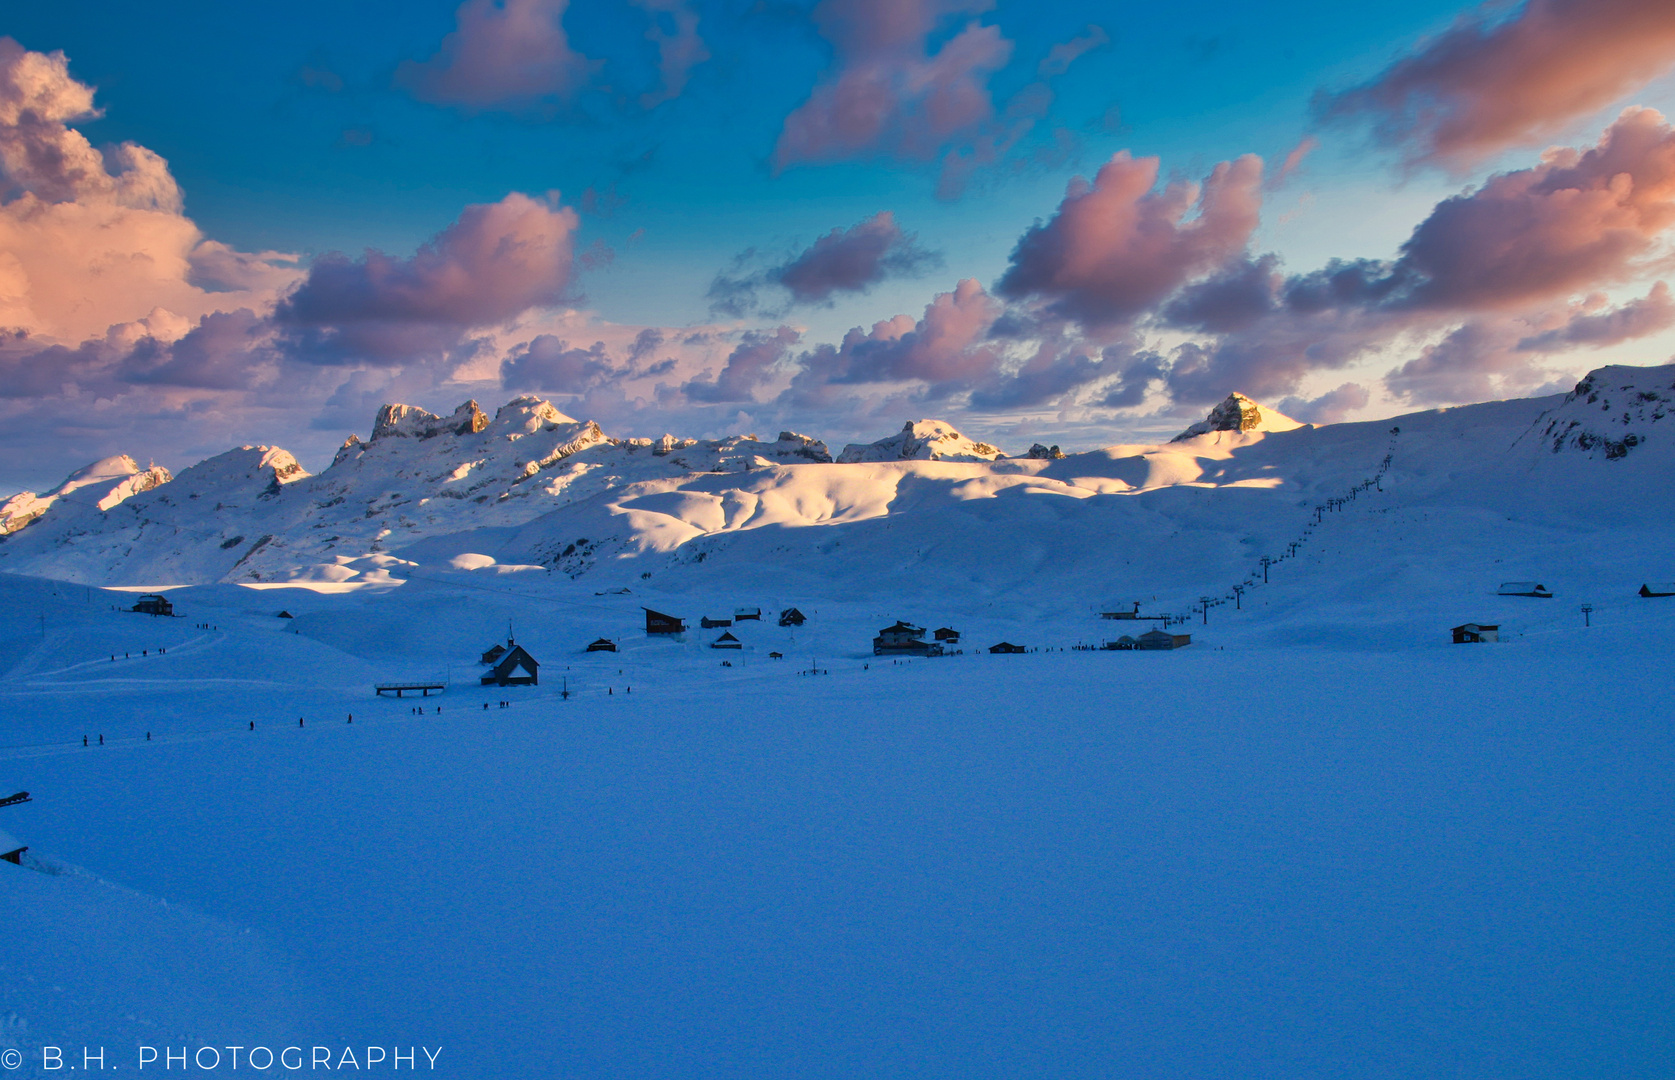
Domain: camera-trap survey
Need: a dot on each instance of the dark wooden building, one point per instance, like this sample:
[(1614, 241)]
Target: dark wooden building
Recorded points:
[(602, 645), (1007, 647), (152, 604), (1525, 588), (792, 617), (727, 641), (659, 623), (741, 614), (492, 655), (516, 668), (10, 850), (710, 624), (1475, 633), (947, 635), (1658, 588), (903, 639)]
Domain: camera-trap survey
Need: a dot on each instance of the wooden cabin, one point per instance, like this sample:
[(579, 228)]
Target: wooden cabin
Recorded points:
[(1658, 588), (903, 639), (1162, 639), (602, 645), (1007, 647), (741, 614), (152, 604), (1524, 588), (492, 655), (792, 617), (659, 623), (1122, 644), (1472, 633), (776, 656), (286, 615), (516, 668), (710, 624), (727, 641), (1135, 614), (947, 635)]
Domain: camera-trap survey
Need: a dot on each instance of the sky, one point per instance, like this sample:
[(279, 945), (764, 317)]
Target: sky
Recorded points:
[(1073, 223)]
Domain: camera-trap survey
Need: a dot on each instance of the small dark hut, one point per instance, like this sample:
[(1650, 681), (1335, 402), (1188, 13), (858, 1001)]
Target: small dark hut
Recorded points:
[(1122, 644), (516, 668), (1007, 647), (1658, 588), (1161, 639), (741, 614), (1135, 614), (1474, 633), (659, 623), (602, 645), (947, 635), (10, 850), (727, 641), (152, 604), (776, 656), (792, 617), (492, 655), (710, 624), (286, 615), (1525, 588)]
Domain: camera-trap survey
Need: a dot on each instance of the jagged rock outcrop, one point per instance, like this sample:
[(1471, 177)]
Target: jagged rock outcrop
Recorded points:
[(410, 421), (1239, 413), (921, 440), (1612, 411), (1045, 453)]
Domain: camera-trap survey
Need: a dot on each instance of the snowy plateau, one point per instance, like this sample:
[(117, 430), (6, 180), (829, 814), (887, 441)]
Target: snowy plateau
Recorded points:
[(1320, 840)]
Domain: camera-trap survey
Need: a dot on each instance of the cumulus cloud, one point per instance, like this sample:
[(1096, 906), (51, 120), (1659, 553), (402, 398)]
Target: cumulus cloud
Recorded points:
[(548, 363), (1501, 77), (949, 348), (91, 237), (751, 365), (510, 55), (1117, 247), (496, 262), (1332, 407), (1595, 326), (886, 93), (848, 260)]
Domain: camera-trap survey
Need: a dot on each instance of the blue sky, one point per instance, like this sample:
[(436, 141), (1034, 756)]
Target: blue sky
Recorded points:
[(675, 146)]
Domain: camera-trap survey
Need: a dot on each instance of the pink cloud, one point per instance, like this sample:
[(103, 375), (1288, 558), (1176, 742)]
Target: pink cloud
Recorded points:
[(1597, 327), (497, 261), (1494, 81), (886, 94), (848, 260), (510, 55), (1332, 407), (753, 363), (1118, 247), (1065, 53)]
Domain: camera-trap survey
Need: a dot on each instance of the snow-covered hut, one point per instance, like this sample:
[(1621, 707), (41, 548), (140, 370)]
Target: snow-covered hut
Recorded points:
[(492, 655), (659, 623), (10, 850), (153, 604), (1135, 614), (947, 635), (741, 614), (1123, 644), (792, 617), (1658, 588), (903, 639), (727, 641), (1007, 647), (1525, 588), (602, 645), (1161, 639), (1471, 633), (710, 624), (516, 668)]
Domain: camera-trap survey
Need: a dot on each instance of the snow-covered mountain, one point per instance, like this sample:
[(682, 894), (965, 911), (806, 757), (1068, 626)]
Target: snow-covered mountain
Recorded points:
[(531, 486)]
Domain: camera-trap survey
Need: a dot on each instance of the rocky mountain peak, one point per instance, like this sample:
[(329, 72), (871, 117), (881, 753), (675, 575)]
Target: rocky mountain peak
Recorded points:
[(1239, 413), (412, 422), (922, 440)]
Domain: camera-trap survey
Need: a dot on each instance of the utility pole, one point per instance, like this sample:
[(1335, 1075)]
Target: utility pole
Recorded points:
[(1587, 614), (1206, 601), (1267, 560), (1238, 597)]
